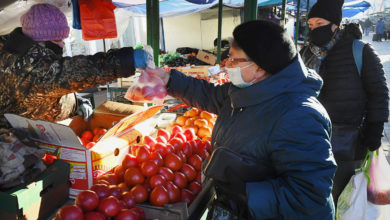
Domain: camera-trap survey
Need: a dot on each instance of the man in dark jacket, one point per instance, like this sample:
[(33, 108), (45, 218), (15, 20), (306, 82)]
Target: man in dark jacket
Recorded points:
[(268, 113), (357, 103), (35, 78)]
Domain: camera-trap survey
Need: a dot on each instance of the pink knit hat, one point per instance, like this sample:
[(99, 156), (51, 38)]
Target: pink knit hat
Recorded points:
[(45, 22)]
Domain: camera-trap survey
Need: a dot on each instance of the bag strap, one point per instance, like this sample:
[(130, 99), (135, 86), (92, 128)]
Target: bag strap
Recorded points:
[(366, 165), (357, 50)]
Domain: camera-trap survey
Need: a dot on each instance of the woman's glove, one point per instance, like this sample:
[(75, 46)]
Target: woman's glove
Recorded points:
[(143, 59), (372, 135)]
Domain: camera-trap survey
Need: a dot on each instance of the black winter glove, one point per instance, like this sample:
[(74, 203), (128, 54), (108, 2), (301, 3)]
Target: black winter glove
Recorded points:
[(372, 135)]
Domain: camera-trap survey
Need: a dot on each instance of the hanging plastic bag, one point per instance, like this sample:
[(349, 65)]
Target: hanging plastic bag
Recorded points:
[(97, 19), (378, 190), (148, 88)]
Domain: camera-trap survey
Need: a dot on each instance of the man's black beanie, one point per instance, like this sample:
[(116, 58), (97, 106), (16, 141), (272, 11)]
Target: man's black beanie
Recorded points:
[(266, 43), (330, 10)]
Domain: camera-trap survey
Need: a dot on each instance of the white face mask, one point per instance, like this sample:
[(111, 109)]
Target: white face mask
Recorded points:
[(236, 77)]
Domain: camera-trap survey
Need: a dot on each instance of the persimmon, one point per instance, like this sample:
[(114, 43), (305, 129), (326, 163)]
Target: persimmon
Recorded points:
[(201, 123), (206, 115), (192, 112), (190, 121), (181, 120), (203, 132)]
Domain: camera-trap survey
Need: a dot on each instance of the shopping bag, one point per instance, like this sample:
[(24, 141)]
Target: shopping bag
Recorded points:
[(97, 19), (378, 190)]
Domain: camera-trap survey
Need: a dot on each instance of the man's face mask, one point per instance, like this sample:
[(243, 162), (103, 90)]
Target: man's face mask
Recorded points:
[(321, 35), (54, 47), (236, 77)]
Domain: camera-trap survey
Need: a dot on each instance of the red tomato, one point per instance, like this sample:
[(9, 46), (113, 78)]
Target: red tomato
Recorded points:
[(129, 199), (160, 91), (134, 148), (149, 168), (195, 187), (170, 148), (203, 153), (159, 196), (181, 136), (119, 172), (115, 191), (129, 161), (190, 134), (101, 190), (109, 206), (133, 176), (126, 214), (176, 129), (186, 196), (195, 161), (161, 148), (198, 177), (139, 193), (87, 135), (142, 154), (94, 216), (164, 133), (187, 149), (161, 139), (123, 187), (180, 180), (182, 156), (148, 93), (149, 141), (157, 158), (207, 145), (90, 145), (70, 212), (140, 213), (173, 162), (99, 131), (104, 182), (173, 192), (189, 171), (96, 138), (122, 205), (87, 200), (167, 173), (177, 144), (111, 178), (157, 180)]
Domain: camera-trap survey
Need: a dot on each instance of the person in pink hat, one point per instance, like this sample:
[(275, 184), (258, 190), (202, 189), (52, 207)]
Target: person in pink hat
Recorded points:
[(38, 83)]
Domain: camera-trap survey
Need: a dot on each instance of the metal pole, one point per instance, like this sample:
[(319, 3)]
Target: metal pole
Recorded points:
[(307, 24), (283, 16), (250, 10), (297, 23), (162, 35), (149, 16), (156, 30), (220, 5)]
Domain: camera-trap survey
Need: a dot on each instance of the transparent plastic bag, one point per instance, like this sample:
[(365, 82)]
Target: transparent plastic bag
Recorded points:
[(378, 190), (149, 88)]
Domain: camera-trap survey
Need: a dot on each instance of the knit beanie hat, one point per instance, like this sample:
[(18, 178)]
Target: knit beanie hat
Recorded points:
[(45, 22), (265, 43), (328, 9)]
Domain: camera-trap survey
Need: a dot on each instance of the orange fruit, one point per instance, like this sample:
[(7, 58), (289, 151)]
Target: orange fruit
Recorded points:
[(190, 121), (181, 120), (206, 138), (203, 132), (200, 123), (96, 138), (87, 135), (206, 115), (192, 112)]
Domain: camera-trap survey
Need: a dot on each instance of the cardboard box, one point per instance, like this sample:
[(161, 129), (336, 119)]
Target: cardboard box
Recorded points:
[(38, 199), (206, 57), (195, 70), (86, 164)]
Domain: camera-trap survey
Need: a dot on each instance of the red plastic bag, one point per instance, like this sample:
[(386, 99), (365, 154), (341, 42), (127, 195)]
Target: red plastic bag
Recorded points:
[(378, 190), (97, 19), (149, 88)]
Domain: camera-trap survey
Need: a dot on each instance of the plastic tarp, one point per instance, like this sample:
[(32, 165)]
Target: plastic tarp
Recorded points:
[(353, 8)]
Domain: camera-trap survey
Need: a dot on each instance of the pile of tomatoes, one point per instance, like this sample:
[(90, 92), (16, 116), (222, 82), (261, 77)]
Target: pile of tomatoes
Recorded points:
[(89, 138), (165, 169)]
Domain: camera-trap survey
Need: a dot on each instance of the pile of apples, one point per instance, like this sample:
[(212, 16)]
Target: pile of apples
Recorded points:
[(89, 138)]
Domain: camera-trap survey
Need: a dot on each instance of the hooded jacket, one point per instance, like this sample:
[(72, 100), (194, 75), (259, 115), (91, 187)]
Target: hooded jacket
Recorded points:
[(34, 78), (278, 121)]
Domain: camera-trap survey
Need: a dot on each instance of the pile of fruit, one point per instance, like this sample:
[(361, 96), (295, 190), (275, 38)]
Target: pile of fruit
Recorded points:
[(89, 138), (200, 122)]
